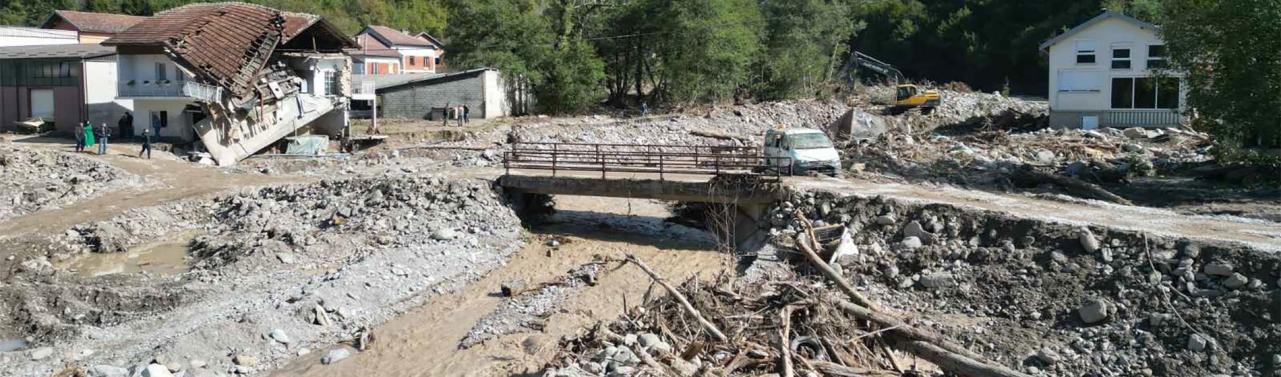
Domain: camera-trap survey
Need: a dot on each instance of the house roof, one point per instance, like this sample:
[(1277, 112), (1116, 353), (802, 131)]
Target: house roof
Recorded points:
[(391, 81), (66, 51), (297, 23), (431, 39), (370, 46), (1106, 15), (224, 43), (393, 37), (90, 22)]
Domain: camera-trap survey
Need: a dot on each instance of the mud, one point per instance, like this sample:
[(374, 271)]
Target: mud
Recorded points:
[(33, 179)]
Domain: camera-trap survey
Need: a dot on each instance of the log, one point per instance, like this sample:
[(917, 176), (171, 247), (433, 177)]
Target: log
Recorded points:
[(1027, 177), (833, 369), (689, 308), (951, 352), (784, 341), (810, 253), (953, 362), (720, 135)]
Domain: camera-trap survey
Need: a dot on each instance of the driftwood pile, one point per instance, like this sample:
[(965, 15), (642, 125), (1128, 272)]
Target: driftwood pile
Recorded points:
[(789, 327)]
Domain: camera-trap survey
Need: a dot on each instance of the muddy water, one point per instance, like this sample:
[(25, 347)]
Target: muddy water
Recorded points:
[(424, 342), (166, 257)]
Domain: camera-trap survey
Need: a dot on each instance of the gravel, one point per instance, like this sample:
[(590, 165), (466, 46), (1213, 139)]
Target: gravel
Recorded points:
[(34, 179)]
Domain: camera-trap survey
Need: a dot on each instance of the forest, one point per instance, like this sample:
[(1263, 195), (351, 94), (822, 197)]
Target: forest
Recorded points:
[(577, 54)]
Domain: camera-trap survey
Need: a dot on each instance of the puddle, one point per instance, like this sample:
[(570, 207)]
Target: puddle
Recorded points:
[(162, 258), (10, 345)]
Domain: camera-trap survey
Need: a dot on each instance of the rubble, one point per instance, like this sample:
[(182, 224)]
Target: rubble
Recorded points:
[(35, 179)]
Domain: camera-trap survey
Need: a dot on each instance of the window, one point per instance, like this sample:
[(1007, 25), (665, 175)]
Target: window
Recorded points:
[(358, 69), (1145, 93), (437, 61), (1079, 81), (331, 83), (159, 119), (1120, 58), (412, 60), (162, 74), (1085, 52), (178, 75), (1156, 57), (51, 70)]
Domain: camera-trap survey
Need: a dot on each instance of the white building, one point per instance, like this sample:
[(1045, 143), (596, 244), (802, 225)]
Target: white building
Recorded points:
[(416, 53), (1111, 72), (27, 36)]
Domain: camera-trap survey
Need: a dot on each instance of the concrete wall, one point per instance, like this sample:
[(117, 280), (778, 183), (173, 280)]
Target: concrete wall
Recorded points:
[(416, 100), (180, 122), (142, 67), (1092, 91), (497, 101)]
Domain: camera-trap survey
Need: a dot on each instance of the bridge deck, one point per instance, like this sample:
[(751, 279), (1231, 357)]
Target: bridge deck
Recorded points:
[(676, 187)]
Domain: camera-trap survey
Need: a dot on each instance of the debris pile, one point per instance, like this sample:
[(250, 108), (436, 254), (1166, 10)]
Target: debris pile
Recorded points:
[(33, 179)]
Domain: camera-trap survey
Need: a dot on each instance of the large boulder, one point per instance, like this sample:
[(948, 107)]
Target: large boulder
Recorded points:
[(858, 125)]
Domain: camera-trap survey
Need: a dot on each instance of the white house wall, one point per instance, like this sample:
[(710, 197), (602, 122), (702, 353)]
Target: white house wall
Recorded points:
[(142, 67), (1105, 35), (497, 103), (100, 81), (179, 122)]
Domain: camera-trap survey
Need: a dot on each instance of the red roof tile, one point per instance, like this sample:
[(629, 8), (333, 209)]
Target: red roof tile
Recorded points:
[(370, 46), (225, 43), (90, 22)]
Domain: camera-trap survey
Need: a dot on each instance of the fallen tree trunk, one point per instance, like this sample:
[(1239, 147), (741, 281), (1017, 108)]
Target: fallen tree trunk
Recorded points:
[(689, 308), (721, 136), (953, 362), (1029, 177), (811, 252)]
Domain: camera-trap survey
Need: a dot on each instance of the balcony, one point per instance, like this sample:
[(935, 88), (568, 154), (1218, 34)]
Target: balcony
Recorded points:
[(169, 90)]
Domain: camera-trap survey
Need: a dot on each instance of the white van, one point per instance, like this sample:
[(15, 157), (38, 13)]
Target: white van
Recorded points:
[(808, 150)]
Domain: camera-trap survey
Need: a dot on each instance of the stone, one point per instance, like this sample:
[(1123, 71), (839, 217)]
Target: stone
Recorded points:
[(198, 364), (444, 234), (649, 339), (107, 371), (885, 220), (1048, 356), (335, 355), (1191, 250), (41, 353), (911, 243), (513, 287), (1135, 133), (245, 360), (280, 336), (156, 370), (1088, 241), (173, 366), (1198, 342), (1237, 280), (914, 229), (1094, 311), (938, 280), (1218, 269), (286, 258)]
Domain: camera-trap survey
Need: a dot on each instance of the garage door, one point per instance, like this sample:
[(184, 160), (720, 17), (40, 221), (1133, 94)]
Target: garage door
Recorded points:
[(42, 104)]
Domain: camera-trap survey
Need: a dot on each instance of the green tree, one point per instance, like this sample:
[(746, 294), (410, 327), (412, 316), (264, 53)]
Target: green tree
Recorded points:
[(1228, 49), (708, 48), (804, 41)]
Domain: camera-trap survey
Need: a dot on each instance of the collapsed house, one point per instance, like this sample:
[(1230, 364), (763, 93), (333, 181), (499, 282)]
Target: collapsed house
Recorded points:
[(238, 77)]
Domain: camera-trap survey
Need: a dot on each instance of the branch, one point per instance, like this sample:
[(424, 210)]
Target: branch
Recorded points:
[(689, 308), (810, 248)]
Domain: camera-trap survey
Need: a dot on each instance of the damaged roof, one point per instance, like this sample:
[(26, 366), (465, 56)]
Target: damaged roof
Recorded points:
[(298, 23), (393, 37), (223, 43), (370, 46), (90, 22)]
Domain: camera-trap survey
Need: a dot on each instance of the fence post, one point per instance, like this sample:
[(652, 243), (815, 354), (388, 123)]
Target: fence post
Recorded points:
[(601, 160), (660, 166), (554, 154)]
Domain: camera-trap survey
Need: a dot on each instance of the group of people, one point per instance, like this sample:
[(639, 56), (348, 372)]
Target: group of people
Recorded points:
[(87, 136), (462, 113)]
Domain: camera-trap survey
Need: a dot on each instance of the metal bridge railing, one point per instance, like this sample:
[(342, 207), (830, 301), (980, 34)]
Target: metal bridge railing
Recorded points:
[(643, 158)]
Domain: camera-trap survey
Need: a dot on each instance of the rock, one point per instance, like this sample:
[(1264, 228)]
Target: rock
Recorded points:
[(1191, 250), (1237, 280), (444, 234), (197, 364), (885, 219), (1135, 133), (911, 243), (286, 258), (245, 360), (173, 367), (156, 370), (914, 229), (649, 339), (107, 371), (1218, 269), (335, 355), (1048, 356), (513, 287), (938, 280), (319, 316), (41, 353), (1088, 241), (279, 336), (1094, 311), (1198, 342)]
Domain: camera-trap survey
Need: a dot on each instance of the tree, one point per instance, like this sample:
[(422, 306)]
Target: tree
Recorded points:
[(708, 47), (1228, 49), (804, 41)]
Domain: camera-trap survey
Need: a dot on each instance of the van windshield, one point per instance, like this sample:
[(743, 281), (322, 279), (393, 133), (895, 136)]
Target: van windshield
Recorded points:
[(808, 141)]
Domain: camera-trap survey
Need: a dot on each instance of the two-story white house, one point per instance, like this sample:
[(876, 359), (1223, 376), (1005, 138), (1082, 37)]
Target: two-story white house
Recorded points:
[(415, 53), (1112, 71)]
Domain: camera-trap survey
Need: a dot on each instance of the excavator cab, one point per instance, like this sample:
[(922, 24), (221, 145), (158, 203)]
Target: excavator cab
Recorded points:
[(907, 96)]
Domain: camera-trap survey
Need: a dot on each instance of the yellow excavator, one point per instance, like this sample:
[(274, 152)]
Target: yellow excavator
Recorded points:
[(906, 96)]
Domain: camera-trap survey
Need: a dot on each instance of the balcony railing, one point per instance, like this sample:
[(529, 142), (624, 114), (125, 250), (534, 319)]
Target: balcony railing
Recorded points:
[(1141, 118), (169, 89)]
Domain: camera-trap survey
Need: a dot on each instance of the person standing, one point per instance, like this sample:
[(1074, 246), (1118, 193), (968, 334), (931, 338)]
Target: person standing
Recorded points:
[(458, 115), (125, 125), (466, 114), (88, 132), (447, 112), (104, 132), (146, 143), (80, 137)]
